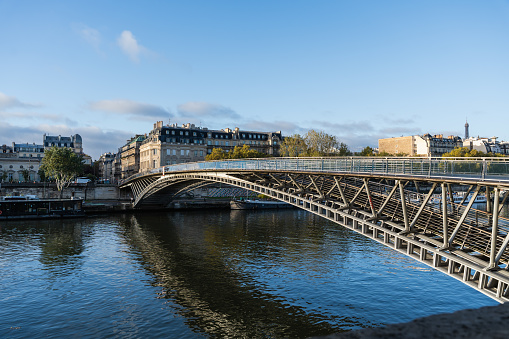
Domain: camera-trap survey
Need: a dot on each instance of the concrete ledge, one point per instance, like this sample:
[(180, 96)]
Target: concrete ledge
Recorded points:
[(485, 322)]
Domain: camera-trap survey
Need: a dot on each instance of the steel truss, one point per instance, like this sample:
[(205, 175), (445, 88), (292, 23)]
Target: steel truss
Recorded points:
[(462, 242)]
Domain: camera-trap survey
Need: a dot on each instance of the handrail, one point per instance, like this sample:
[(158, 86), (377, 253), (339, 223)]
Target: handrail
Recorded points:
[(459, 168)]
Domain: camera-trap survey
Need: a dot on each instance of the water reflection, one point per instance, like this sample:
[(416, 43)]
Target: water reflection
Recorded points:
[(199, 263)]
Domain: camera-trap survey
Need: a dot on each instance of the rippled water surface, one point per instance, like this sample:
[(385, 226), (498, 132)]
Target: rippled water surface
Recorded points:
[(209, 274)]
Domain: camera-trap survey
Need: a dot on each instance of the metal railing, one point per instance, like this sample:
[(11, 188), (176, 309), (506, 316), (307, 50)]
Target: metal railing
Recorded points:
[(480, 169)]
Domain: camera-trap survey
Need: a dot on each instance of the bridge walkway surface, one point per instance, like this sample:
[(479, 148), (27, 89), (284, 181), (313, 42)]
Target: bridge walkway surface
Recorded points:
[(421, 207)]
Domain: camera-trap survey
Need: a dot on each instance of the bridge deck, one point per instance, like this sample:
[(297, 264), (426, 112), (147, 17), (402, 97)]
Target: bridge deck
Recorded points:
[(379, 198)]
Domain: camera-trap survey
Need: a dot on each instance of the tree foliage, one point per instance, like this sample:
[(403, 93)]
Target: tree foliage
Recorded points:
[(293, 146), (61, 165), (460, 152), (313, 144), (367, 152), (238, 153), (26, 174)]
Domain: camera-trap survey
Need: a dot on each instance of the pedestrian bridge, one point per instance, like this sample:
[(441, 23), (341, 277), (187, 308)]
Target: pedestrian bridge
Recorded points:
[(398, 202)]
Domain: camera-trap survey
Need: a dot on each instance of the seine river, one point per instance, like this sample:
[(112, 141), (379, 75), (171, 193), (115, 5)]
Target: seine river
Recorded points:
[(209, 274)]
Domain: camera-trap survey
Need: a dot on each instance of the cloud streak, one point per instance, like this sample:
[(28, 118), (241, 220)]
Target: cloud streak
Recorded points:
[(131, 108), (203, 109), (90, 35), (7, 102), (130, 46)]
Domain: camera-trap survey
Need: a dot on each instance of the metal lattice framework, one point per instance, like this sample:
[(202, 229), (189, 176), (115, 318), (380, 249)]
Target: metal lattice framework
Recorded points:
[(380, 198)]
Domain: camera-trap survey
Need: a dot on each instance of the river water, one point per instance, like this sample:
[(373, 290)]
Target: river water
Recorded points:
[(209, 274)]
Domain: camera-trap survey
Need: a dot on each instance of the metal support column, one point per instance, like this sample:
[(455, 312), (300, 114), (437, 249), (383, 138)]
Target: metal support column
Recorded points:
[(403, 205), (494, 231), (444, 216)]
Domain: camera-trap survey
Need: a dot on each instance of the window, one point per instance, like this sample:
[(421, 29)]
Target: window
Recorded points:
[(201, 153), (187, 152), (195, 153), (209, 142), (174, 152), (217, 143), (172, 132), (181, 133), (154, 164), (20, 166), (194, 133), (168, 152), (227, 143), (182, 152)]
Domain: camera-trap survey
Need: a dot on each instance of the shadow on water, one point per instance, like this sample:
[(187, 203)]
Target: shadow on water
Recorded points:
[(197, 261), (60, 243)]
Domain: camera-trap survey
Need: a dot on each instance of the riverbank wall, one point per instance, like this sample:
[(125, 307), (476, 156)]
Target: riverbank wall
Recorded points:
[(89, 191)]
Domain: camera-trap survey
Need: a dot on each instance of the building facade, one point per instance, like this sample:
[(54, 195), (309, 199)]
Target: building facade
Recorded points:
[(420, 145), (173, 144), (130, 156), (487, 145), (21, 162)]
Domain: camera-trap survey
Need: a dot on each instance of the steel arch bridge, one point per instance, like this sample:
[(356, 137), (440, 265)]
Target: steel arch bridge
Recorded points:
[(395, 201)]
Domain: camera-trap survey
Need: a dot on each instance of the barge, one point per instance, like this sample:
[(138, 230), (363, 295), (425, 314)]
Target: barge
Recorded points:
[(28, 207)]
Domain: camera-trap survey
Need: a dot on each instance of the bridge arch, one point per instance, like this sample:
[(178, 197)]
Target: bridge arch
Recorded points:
[(380, 207)]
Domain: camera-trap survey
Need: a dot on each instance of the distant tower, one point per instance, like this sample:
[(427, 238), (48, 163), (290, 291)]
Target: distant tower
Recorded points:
[(466, 130)]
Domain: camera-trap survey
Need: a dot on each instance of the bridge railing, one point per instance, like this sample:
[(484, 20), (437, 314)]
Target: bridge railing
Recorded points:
[(460, 168)]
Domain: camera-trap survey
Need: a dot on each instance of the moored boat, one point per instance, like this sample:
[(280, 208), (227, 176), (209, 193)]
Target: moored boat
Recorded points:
[(250, 204), (28, 207)]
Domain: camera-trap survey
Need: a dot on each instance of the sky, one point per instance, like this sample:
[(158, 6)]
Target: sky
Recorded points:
[(359, 70)]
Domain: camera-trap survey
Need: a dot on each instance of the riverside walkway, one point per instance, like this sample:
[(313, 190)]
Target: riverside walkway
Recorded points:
[(421, 207)]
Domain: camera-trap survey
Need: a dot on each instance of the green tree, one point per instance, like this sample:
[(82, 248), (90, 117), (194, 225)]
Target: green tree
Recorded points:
[(459, 152), (321, 144), (3, 176), (217, 154), (26, 174), (61, 165), (293, 146), (343, 150), (367, 152), (245, 152)]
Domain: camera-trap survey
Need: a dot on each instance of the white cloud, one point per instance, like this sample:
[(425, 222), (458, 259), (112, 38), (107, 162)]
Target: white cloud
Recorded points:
[(10, 102), (95, 140), (203, 109), (132, 108), (91, 36), (130, 46)]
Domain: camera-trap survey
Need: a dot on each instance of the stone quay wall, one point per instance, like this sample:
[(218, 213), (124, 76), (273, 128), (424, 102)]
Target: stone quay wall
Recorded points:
[(88, 191)]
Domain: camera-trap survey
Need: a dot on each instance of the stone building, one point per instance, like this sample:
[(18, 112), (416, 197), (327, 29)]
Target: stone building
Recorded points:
[(74, 142), (21, 162), (130, 156), (420, 145), (173, 144), (487, 145), (107, 167)]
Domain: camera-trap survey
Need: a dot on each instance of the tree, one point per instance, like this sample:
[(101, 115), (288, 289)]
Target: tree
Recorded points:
[(217, 154), (343, 150), (238, 153), (459, 152), (61, 165), (26, 174), (293, 146), (245, 152), (367, 152), (3, 176), (321, 144)]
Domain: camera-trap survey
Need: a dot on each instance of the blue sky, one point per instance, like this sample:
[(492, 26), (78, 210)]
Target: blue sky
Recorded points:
[(360, 70)]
